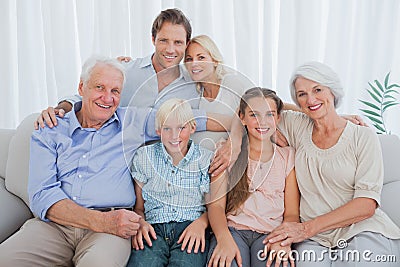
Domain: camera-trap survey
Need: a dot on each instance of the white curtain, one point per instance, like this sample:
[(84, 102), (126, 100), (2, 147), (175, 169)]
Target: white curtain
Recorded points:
[(44, 42)]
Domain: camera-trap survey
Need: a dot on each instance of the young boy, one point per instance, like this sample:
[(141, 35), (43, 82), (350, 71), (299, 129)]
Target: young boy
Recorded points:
[(171, 179)]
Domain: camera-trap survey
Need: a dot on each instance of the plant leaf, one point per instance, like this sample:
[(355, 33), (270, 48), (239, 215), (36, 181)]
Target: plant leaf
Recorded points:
[(374, 119), (393, 85), (388, 102), (370, 105), (391, 91), (377, 126), (380, 86), (371, 112), (376, 91), (389, 96), (387, 79), (373, 87), (374, 96), (388, 106)]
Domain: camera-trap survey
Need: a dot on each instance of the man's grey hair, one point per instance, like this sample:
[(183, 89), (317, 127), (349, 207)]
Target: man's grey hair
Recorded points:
[(91, 62), (319, 73)]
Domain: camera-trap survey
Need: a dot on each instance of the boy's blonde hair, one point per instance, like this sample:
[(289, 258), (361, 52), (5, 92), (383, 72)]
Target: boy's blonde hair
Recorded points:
[(176, 108)]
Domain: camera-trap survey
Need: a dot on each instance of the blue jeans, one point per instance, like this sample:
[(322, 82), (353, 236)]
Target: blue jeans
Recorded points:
[(165, 250), (250, 243)]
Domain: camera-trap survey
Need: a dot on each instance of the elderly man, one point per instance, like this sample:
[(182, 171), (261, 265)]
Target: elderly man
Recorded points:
[(80, 188)]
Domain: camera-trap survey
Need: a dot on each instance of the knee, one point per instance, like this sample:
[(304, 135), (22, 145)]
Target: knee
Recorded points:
[(102, 261)]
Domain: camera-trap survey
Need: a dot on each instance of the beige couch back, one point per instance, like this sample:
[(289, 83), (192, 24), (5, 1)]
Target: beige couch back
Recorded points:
[(17, 171)]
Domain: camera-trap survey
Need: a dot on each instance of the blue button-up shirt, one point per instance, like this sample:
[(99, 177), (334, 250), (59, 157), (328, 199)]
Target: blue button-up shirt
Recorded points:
[(172, 193), (86, 165)]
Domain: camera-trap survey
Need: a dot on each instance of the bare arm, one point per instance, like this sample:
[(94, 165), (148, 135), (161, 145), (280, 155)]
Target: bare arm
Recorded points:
[(48, 116), (227, 154), (146, 231), (226, 249), (354, 211), (218, 122), (122, 223), (289, 106), (291, 199)]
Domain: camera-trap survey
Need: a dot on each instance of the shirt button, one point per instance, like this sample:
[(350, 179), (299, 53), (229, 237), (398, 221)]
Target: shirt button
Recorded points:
[(84, 156), (80, 175), (169, 184), (173, 171), (74, 198)]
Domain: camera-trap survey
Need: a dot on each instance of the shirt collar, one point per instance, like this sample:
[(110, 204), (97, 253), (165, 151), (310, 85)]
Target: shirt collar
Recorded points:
[(146, 61), (186, 159), (183, 73), (74, 123)]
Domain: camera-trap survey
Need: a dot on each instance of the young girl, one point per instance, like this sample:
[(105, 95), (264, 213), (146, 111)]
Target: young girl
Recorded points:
[(264, 195)]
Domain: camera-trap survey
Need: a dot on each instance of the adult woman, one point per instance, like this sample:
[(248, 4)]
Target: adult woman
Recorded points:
[(220, 88), (340, 174)]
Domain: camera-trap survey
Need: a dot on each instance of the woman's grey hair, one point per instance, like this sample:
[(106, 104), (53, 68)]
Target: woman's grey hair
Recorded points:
[(319, 73), (91, 62)]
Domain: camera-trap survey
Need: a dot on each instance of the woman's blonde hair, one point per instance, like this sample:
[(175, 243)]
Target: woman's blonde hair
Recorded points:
[(177, 108), (208, 44)]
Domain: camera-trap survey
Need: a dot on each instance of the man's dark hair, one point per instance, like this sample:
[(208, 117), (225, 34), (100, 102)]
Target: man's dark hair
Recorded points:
[(174, 16)]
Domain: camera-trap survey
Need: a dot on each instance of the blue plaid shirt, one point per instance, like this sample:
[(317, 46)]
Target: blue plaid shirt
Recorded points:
[(172, 193)]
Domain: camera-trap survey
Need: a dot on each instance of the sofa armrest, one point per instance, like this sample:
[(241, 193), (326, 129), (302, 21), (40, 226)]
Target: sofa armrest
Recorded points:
[(14, 212), (390, 201), (5, 138)]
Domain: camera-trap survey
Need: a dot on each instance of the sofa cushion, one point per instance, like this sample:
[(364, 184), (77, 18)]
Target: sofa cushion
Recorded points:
[(391, 153), (391, 189), (14, 212), (18, 159), (5, 137)]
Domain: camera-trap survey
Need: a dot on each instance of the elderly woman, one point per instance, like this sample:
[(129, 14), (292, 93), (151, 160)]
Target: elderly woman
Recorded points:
[(340, 175)]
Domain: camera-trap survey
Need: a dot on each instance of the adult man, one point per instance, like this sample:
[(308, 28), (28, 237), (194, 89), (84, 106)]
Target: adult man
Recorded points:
[(79, 187)]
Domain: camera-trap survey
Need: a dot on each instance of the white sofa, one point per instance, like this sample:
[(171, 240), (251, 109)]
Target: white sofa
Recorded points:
[(14, 163)]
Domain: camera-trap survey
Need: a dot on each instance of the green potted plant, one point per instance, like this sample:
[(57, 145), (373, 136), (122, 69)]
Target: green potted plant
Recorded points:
[(382, 98)]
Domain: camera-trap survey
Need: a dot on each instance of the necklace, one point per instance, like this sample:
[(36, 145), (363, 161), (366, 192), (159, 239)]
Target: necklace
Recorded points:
[(259, 174)]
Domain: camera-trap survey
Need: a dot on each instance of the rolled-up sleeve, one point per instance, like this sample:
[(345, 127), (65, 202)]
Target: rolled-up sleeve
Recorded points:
[(72, 99), (201, 119), (369, 172), (44, 188), (139, 161)]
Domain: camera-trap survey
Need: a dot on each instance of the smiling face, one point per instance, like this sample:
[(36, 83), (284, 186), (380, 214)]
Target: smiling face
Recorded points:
[(100, 95), (175, 136), (170, 45), (314, 99), (200, 64), (260, 116)]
